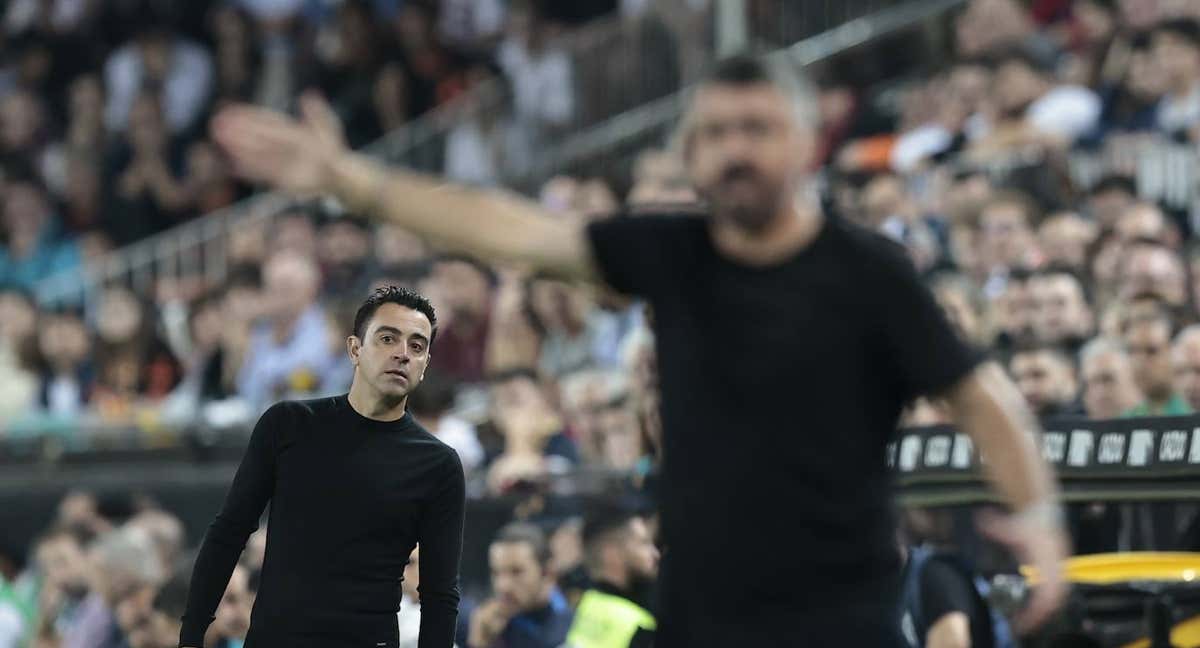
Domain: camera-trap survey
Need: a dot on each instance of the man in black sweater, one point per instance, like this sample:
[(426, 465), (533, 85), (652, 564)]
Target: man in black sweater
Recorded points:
[(354, 484), (788, 338)]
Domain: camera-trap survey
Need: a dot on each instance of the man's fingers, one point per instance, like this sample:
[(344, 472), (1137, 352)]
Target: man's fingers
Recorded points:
[(1047, 597), (320, 117)]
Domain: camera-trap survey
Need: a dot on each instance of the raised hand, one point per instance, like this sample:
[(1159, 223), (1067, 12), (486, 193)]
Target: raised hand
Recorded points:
[(294, 155)]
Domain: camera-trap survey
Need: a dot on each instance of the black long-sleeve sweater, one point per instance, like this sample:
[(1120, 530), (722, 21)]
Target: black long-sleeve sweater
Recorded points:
[(350, 498)]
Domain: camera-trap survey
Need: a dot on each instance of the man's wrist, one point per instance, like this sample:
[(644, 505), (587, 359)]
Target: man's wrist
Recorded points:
[(358, 182)]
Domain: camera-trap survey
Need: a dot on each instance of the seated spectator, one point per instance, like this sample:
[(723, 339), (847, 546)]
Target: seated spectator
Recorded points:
[(888, 208), (1006, 240), (622, 562), (1176, 51), (940, 603), (24, 133), (133, 360), (1061, 314), (462, 291), (1109, 388), (149, 195), (343, 250), (576, 334), (1034, 110), (33, 248), (1065, 238), (68, 378), (659, 179), (158, 57), (1045, 376), (1147, 338), (288, 350), (1109, 198), (165, 531), (123, 567), (1149, 268), (60, 562), (1131, 102), (526, 609), (432, 404), (1010, 313), (1185, 358), (534, 442)]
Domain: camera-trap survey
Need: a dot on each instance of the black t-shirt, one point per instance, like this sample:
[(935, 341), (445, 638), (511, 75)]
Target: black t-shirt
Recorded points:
[(350, 498), (781, 386), (944, 590)]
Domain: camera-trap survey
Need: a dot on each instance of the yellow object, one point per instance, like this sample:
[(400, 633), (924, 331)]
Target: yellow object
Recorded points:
[(1115, 568), (1186, 633), (607, 621)]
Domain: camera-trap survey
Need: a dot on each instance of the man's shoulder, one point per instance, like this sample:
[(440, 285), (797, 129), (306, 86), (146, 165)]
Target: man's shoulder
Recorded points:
[(297, 410), (672, 218)]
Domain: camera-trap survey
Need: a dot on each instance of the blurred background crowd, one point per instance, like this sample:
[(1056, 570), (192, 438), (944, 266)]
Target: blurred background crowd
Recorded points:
[(1037, 159)]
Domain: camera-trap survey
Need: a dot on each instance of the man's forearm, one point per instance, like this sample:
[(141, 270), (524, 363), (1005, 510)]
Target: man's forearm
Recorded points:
[(988, 408), (483, 223)]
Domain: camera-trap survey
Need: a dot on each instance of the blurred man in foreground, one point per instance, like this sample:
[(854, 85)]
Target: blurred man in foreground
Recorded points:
[(779, 393)]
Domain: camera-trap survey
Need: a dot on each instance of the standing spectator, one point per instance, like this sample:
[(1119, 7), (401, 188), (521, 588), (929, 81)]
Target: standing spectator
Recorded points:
[(288, 349), (33, 248), (178, 70), (123, 564), (1046, 378), (1177, 53), (67, 374), (487, 146), (1109, 388), (351, 68), (526, 609), (207, 185), (1061, 314), (543, 90), (149, 195), (1185, 357), (622, 562), (462, 291), (1147, 338), (344, 251)]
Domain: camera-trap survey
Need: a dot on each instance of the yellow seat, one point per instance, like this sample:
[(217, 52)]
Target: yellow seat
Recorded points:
[(1116, 568)]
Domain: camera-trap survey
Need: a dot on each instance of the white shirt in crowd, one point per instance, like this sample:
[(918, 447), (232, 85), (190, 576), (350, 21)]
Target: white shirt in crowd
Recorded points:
[(541, 83), (1176, 113), (188, 85), (1067, 111), (467, 21)]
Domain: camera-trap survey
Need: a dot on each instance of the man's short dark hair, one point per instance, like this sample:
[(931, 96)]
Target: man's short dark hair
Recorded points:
[(1184, 29), (480, 267), (1036, 348), (1055, 270), (745, 70), (514, 373), (603, 522), (405, 297), (527, 534), (1114, 182), (1019, 56)]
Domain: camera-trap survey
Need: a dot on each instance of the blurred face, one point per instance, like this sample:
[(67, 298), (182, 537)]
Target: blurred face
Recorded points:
[(643, 555), (206, 326), (120, 316), (344, 244), (393, 353), (517, 578), (63, 340), (1004, 234), (147, 133), (18, 318), (1149, 347), (1179, 59), (290, 284), (883, 198), (619, 436), (1096, 21), (464, 288), (1064, 240), (233, 613), (745, 151), (63, 564), (517, 400), (397, 245), (1043, 379), (25, 210), (20, 120), (412, 575), (1012, 310), (1155, 270), (1108, 385), (1059, 309), (1142, 222), (1186, 360), (86, 98), (1015, 86)]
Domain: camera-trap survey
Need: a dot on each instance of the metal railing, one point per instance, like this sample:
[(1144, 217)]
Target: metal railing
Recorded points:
[(627, 79)]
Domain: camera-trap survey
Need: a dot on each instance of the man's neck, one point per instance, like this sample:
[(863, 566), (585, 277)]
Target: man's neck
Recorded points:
[(367, 403), (791, 231)]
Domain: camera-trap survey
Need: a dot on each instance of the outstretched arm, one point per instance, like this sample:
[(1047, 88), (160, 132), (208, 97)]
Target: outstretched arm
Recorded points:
[(309, 156)]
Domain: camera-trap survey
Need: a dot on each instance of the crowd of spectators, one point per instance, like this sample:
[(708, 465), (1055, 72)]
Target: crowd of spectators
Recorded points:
[(1086, 295)]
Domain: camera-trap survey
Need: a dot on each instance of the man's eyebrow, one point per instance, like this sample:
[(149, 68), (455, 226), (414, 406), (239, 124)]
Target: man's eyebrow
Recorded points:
[(395, 331)]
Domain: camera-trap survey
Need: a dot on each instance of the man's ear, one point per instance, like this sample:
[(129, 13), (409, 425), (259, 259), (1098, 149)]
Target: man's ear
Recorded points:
[(353, 348)]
